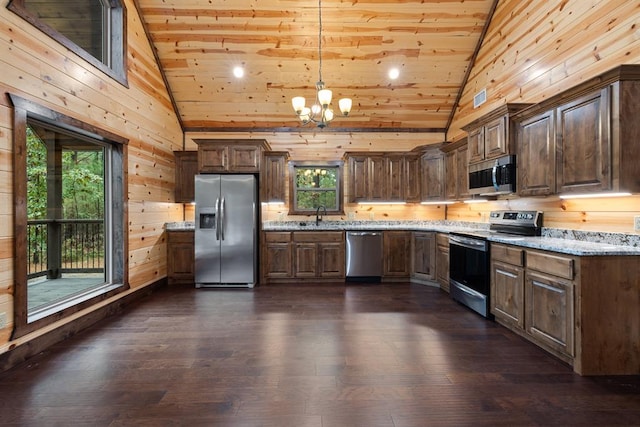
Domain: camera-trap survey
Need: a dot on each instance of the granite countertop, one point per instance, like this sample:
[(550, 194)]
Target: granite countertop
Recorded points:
[(572, 242)]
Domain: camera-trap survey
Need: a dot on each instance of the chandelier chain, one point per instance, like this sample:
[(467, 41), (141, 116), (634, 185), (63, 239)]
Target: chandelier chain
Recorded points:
[(320, 40)]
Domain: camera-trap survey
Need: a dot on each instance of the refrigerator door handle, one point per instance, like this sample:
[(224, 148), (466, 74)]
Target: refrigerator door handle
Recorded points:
[(222, 219), (217, 219)]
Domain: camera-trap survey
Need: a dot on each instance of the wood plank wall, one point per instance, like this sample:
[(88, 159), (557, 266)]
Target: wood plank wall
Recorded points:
[(532, 51), (37, 68)]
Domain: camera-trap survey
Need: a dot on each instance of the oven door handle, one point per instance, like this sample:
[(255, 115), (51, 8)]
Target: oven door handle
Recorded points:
[(475, 244)]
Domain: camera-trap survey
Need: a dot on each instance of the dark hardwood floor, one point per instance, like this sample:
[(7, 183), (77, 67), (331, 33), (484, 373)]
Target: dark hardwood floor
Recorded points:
[(381, 355)]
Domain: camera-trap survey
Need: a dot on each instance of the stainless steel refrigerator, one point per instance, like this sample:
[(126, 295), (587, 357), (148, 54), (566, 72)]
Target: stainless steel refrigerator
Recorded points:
[(226, 233)]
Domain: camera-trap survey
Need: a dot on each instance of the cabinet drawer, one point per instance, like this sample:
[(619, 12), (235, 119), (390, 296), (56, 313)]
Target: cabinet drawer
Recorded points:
[(508, 254), (442, 239), (318, 237), (551, 264), (181, 236), (276, 237)]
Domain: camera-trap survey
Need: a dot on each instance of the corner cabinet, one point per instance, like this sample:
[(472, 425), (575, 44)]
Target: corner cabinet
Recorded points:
[(186, 170), (180, 257), (423, 259), (579, 140), (273, 176), (456, 170), (396, 246), (230, 155), (433, 175)]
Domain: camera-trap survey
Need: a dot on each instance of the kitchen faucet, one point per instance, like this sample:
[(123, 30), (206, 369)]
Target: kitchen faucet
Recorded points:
[(318, 215)]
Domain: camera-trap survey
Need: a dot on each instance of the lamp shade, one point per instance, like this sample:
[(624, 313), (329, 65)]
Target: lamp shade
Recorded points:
[(328, 115), (345, 106), (298, 103), (324, 97)]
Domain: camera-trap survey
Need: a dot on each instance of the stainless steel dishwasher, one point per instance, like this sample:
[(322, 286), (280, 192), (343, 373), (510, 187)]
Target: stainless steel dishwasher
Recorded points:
[(364, 255)]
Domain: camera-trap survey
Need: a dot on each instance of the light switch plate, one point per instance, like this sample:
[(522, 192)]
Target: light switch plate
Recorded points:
[(636, 223)]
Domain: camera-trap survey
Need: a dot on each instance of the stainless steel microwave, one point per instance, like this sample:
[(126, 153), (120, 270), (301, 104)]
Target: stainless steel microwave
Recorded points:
[(493, 177)]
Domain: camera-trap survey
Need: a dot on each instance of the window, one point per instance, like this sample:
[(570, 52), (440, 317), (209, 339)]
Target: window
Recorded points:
[(70, 215), (314, 185), (93, 29)]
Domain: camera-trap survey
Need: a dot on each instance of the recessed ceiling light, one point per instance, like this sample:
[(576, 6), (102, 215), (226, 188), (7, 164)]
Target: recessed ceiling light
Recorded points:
[(394, 73), (238, 72)]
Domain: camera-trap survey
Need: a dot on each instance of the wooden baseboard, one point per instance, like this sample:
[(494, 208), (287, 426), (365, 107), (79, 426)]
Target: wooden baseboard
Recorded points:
[(30, 348)]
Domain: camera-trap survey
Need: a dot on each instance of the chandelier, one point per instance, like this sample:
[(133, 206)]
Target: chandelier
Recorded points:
[(320, 112)]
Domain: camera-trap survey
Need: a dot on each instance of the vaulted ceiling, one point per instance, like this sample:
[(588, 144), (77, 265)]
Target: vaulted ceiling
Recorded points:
[(431, 42)]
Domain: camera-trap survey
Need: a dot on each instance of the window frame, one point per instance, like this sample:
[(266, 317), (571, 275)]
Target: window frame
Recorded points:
[(116, 40), (338, 165), (24, 111)]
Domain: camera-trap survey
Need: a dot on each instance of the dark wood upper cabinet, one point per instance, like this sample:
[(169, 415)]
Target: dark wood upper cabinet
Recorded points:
[(186, 170), (536, 156), (492, 135), (432, 175), (412, 177), (583, 144), (583, 140), (456, 170), (383, 176), (273, 176), (230, 155)]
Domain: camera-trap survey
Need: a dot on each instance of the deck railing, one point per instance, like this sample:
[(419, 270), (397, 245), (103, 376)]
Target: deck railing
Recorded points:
[(67, 246)]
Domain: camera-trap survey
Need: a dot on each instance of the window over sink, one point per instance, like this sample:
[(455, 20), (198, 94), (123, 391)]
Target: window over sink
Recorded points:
[(313, 185)]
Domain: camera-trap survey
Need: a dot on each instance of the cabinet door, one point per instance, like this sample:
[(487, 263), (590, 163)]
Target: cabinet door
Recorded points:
[(462, 172), (475, 140), (358, 178), (442, 260), (377, 188), (507, 293), (273, 177), (433, 177), (331, 260), (186, 170), (306, 258), (549, 315), (397, 253), (583, 145), (412, 178), (423, 247), (451, 175), (495, 138), (394, 173), (277, 260), (180, 257), (244, 158), (536, 156), (212, 158)]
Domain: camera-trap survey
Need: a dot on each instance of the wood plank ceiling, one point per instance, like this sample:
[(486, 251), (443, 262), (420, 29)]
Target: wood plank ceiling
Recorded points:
[(431, 42)]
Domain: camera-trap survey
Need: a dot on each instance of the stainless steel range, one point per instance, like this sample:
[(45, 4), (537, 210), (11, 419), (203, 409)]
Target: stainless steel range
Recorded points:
[(469, 276)]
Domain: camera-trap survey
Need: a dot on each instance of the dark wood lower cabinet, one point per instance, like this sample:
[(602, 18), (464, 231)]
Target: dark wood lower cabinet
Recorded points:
[(423, 250), (397, 255), (303, 255), (180, 257), (442, 260)]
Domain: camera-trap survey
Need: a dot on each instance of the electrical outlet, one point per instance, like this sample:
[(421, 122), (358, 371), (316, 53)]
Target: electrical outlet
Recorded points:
[(636, 223), (3, 320)]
